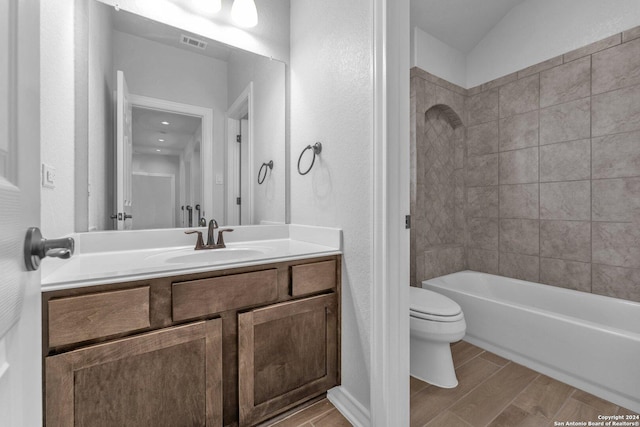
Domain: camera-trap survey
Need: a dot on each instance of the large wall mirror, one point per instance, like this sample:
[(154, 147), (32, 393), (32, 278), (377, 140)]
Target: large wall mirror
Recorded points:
[(181, 128)]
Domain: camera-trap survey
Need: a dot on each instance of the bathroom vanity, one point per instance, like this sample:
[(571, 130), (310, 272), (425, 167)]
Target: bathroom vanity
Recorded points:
[(228, 346)]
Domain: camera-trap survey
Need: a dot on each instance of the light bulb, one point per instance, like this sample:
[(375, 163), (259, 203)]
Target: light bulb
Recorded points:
[(244, 13), (208, 7)]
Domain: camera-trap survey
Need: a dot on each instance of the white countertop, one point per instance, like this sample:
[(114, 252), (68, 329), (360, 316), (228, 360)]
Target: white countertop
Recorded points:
[(159, 253)]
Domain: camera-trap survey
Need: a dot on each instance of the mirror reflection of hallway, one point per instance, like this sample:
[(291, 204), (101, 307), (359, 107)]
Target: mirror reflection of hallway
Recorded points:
[(166, 169)]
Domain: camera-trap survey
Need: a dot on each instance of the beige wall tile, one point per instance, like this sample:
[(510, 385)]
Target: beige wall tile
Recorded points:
[(482, 202), (565, 161), (451, 99), (617, 282), (482, 139), (442, 260), (519, 201), (566, 83), (569, 240), (566, 200), (482, 260), (616, 112), (517, 266), (482, 170), (500, 81), (483, 233), (593, 48), (520, 96), (616, 244), (520, 236), (519, 131), (616, 200), (519, 166), (565, 122), (566, 274), (537, 68), (631, 34), (482, 107), (617, 67), (616, 156)]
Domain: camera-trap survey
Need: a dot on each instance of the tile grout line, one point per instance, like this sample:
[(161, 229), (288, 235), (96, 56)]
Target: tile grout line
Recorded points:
[(499, 199), (591, 171), (539, 180)]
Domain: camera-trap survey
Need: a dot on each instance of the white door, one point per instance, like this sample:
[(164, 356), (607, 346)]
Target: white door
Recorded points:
[(124, 154), (20, 312), (245, 173)]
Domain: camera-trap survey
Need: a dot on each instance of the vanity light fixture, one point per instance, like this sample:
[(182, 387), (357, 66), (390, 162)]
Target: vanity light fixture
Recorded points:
[(160, 140), (244, 13), (166, 123), (158, 150)]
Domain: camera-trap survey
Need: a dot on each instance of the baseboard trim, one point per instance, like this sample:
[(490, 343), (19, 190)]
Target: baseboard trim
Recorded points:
[(348, 406)]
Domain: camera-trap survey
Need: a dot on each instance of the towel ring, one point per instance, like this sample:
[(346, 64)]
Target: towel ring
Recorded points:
[(265, 166), (317, 149)]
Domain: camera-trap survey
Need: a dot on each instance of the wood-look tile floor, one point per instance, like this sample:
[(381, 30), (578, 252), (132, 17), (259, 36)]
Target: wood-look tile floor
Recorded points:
[(320, 414), (492, 391), (495, 392)]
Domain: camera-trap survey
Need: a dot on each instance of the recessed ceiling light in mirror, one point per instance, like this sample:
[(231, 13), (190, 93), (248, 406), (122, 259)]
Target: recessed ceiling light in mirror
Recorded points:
[(165, 123)]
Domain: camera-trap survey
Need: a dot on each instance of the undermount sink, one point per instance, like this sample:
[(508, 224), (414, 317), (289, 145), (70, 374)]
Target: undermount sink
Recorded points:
[(214, 255), (207, 256)]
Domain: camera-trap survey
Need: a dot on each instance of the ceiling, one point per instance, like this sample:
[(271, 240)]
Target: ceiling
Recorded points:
[(148, 129), (149, 29), (459, 23)]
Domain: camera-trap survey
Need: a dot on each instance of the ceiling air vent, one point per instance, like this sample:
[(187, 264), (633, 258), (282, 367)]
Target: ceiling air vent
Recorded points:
[(190, 41)]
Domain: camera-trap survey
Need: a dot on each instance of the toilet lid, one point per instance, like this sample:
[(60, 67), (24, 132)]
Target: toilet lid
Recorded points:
[(427, 302)]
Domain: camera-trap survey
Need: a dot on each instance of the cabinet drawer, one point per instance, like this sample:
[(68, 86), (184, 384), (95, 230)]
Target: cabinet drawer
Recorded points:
[(204, 297), (86, 317), (316, 277)]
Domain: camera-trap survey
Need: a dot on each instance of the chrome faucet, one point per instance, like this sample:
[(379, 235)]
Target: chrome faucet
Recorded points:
[(211, 241)]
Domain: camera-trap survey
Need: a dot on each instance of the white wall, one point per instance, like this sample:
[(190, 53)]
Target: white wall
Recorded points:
[(437, 57), (57, 115), (269, 127), (101, 82), (160, 71), (332, 102), (538, 30)]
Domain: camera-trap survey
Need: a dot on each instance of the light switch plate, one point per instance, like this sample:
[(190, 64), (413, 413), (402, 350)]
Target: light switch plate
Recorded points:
[(48, 176), (219, 180)]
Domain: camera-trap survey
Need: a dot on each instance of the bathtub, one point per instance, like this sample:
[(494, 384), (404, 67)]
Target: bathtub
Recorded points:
[(589, 341)]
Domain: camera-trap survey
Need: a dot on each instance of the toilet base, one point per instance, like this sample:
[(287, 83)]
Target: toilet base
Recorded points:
[(432, 362)]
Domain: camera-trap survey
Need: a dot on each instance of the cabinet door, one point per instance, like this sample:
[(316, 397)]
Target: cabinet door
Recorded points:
[(170, 377), (287, 354)]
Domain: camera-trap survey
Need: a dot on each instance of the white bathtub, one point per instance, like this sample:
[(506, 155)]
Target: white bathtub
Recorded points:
[(589, 341)]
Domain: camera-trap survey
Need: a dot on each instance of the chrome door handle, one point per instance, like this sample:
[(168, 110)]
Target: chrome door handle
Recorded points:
[(36, 248)]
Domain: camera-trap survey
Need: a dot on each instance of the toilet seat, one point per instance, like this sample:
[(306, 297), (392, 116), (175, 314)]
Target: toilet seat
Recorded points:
[(429, 305)]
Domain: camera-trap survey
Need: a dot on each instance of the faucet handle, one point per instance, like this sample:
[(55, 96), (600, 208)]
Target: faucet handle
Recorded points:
[(221, 238), (199, 242)]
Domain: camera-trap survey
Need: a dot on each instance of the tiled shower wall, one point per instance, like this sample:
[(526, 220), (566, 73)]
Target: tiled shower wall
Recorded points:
[(437, 177), (552, 171)]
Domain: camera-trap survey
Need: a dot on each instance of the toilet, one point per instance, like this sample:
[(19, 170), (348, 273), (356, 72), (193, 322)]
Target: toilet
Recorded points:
[(435, 322)]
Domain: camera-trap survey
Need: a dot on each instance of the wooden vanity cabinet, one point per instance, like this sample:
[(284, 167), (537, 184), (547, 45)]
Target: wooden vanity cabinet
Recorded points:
[(229, 347), (168, 377), (287, 352)]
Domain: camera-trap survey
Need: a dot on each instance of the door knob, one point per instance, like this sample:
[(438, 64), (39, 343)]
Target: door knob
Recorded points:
[(36, 248)]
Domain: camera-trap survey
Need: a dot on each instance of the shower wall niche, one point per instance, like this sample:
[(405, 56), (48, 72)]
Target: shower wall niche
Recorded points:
[(437, 177)]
